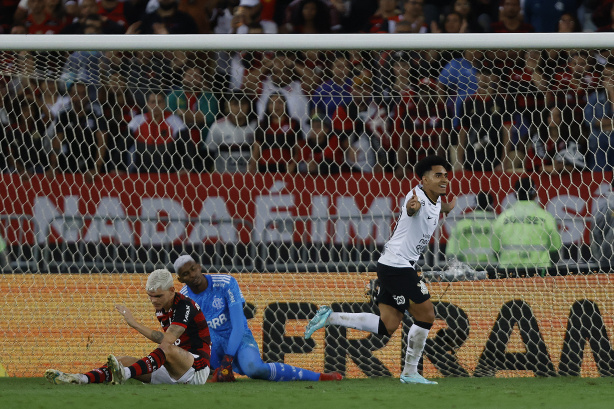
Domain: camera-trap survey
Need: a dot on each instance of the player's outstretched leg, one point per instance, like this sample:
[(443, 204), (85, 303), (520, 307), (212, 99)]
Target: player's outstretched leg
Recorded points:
[(250, 363), (317, 322), (117, 370), (58, 377)]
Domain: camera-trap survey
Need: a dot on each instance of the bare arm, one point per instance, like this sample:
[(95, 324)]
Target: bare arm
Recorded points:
[(163, 338), (447, 207)]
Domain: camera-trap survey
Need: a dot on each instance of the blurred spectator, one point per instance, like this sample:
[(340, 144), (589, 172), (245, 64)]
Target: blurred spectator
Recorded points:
[(484, 132), (309, 65), (194, 104), (525, 235), (89, 15), (433, 10), (545, 15), (413, 13), (365, 124), (162, 141), (510, 19), (231, 137), (29, 145), (568, 23), (248, 70), (309, 17), (525, 87), (58, 13), (115, 11), (79, 141), (552, 148), (470, 21), (602, 241), (146, 71), (324, 152), (569, 90), (337, 89), (200, 10), (40, 21), (393, 78), (246, 14), (118, 108), (354, 14), (599, 114), (470, 240), (385, 18), (452, 23), (277, 138), (221, 17), (421, 123), (459, 19), (283, 80), (166, 19), (458, 79), (83, 66), (85, 8)]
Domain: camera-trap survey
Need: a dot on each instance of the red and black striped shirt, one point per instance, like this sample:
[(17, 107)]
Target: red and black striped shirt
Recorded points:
[(196, 338)]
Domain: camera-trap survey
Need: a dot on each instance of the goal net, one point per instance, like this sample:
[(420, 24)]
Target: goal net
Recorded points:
[(284, 161)]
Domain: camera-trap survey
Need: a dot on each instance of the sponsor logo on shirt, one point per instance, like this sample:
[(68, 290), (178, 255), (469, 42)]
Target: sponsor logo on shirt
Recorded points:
[(216, 322)]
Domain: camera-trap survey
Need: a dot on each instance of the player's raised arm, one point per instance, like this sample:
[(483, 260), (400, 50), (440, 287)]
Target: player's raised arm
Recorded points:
[(413, 205), (159, 337), (447, 207)]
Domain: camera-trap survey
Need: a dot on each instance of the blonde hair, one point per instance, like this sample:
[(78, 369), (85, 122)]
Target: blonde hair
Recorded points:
[(159, 280)]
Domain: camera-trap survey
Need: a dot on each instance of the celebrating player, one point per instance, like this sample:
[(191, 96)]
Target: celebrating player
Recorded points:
[(399, 283), (234, 346), (182, 356)]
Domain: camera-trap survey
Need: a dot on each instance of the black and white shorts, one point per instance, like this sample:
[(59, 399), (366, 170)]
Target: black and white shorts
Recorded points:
[(398, 285)]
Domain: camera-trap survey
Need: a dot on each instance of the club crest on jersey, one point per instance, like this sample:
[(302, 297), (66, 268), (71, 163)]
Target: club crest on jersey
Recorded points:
[(218, 303), (400, 300), (423, 288)]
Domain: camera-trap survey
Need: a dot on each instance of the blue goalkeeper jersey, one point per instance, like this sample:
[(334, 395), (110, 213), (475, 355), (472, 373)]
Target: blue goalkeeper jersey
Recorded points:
[(222, 293)]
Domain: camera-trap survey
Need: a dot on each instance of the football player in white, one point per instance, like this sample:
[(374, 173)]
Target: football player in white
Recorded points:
[(398, 280)]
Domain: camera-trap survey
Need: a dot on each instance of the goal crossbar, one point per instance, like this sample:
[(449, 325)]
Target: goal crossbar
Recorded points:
[(235, 42)]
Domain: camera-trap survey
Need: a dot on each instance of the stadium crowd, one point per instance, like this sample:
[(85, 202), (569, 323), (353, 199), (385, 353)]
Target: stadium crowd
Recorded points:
[(305, 112)]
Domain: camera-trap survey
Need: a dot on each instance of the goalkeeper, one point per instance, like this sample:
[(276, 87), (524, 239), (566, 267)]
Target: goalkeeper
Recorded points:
[(233, 345)]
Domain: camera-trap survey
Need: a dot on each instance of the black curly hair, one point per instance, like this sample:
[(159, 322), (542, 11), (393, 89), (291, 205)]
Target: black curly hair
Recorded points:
[(427, 164)]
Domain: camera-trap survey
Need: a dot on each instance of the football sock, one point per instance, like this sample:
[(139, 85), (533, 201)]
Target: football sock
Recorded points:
[(416, 339), (363, 320), (100, 375), (146, 365), (283, 372)]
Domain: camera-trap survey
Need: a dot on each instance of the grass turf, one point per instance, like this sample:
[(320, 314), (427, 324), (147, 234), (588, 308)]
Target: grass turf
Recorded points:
[(474, 393)]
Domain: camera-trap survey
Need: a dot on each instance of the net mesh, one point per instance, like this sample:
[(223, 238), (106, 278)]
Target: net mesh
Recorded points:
[(266, 163)]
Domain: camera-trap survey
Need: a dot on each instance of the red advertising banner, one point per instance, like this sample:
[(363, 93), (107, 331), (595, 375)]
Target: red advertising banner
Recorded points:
[(196, 208)]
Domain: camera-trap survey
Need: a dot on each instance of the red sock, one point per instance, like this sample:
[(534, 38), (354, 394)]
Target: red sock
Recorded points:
[(100, 375), (150, 363), (331, 376)]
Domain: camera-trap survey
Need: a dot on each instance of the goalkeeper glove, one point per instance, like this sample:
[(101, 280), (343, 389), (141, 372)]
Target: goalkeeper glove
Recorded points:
[(224, 372)]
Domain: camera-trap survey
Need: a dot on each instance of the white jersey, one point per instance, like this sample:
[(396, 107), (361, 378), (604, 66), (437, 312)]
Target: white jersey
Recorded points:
[(412, 234)]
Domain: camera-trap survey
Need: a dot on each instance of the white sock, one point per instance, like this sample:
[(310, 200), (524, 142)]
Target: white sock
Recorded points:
[(127, 374), (362, 320), (83, 378), (416, 339)]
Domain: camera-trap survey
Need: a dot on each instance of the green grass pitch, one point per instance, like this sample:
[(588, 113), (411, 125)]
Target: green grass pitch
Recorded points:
[(451, 393)]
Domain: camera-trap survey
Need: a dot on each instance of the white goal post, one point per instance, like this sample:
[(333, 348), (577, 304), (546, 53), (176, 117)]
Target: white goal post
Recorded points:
[(78, 218)]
